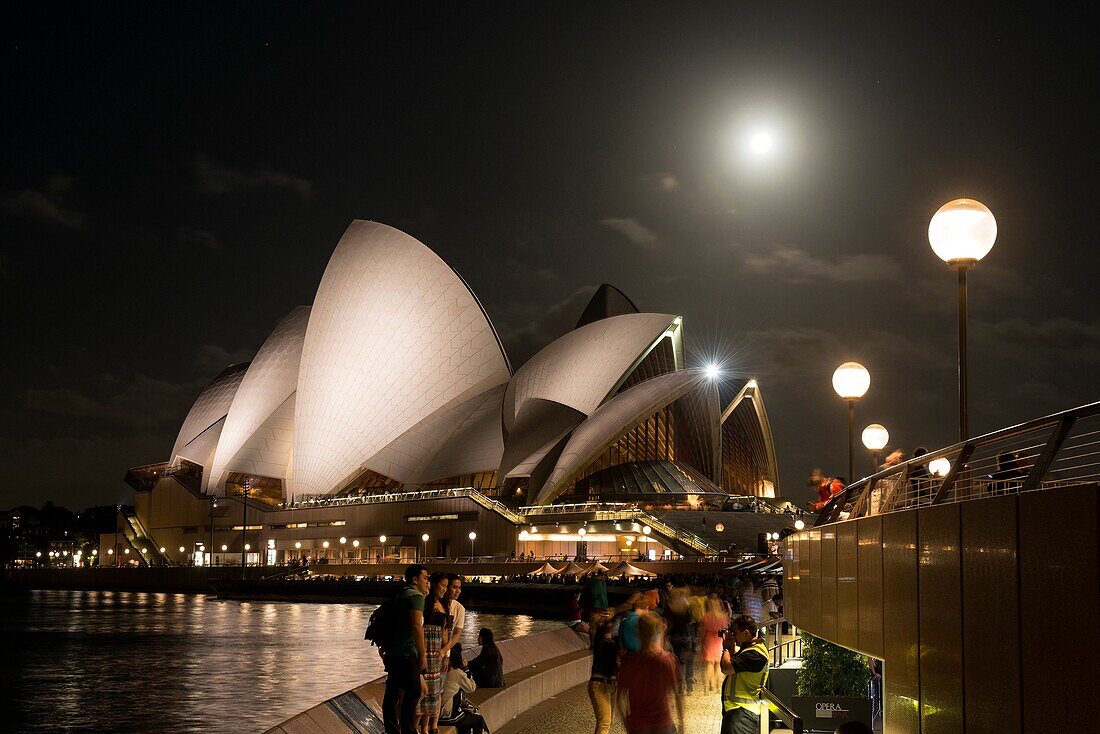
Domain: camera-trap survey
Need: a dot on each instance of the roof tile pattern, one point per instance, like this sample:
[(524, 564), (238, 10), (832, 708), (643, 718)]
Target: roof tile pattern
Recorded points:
[(611, 420), (270, 380), (406, 457), (211, 406), (394, 335), (267, 451), (581, 368), (473, 446)]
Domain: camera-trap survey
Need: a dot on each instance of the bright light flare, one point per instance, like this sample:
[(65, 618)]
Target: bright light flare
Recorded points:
[(712, 371)]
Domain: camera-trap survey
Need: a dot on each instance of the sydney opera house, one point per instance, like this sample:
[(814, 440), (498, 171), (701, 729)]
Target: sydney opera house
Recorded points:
[(385, 422)]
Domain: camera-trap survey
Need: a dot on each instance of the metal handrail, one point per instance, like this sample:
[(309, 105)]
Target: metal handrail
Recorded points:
[(1034, 462), (774, 706), (425, 494)]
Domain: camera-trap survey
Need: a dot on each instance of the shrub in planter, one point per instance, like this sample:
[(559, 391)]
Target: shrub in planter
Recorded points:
[(831, 670), (832, 685)]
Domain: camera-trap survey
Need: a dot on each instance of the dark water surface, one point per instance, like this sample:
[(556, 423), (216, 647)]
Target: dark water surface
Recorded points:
[(103, 661)]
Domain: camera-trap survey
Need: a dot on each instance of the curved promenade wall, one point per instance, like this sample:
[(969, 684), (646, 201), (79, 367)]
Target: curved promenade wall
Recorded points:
[(536, 667), (982, 610)]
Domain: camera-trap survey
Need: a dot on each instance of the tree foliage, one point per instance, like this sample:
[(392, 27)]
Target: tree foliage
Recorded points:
[(831, 670)]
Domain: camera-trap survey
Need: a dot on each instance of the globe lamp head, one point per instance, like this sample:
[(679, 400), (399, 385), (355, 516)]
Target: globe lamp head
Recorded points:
[(851, 380), (962, 232), (875, 437)]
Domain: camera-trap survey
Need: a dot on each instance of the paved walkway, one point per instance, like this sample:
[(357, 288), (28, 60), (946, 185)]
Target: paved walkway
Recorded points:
[(571, 713)]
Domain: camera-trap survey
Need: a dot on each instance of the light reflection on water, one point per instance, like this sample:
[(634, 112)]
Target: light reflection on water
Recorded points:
[(142, 662)]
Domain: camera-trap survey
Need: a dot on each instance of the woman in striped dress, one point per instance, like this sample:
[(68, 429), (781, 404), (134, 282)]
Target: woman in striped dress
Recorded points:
[(435, 627)]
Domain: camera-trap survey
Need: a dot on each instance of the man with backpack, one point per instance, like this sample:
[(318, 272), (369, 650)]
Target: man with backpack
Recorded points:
[(403, 652)]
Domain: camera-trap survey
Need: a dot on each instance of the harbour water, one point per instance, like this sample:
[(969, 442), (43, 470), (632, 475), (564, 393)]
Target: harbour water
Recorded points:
[(102, 661)]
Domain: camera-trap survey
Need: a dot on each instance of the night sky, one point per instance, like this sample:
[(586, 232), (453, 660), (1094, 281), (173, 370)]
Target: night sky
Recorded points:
[(174, 181)]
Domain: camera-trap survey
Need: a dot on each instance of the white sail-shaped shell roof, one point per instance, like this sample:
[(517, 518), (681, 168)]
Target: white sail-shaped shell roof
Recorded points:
[(611, 420), (271, 379), (267, 452), (412, 456), (582, 368), (210, 407), (394, 336)]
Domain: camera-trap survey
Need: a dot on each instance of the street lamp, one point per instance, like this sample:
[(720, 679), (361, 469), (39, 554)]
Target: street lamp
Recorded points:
[(473, 537), (799, 524), (245, 489), (424, 539), (850, 381), (961, 233), (875, 438), (213, 506)]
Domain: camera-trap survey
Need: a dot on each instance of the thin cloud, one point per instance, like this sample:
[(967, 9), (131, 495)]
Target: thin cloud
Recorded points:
[(218, 178), (140, 401), (47, 205), (796, 265), (633, 230)]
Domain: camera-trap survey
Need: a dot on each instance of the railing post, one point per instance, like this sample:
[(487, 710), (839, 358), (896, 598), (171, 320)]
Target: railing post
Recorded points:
[(948, 482), (1050, 450)]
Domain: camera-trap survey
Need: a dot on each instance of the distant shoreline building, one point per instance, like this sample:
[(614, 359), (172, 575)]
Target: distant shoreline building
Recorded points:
[(388, 409)]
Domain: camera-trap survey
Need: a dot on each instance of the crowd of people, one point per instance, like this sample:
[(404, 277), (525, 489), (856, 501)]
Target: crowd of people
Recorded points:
[(646, 651), (427, 676)]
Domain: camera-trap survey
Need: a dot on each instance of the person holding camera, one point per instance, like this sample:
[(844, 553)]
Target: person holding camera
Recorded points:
[(745, 665), (457, 711)]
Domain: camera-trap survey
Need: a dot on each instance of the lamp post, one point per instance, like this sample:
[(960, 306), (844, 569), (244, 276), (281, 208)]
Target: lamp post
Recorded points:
[(424, 539), (244, 528), (118, 511), (850, 381), (213, 506), (473, 537), (875, 438), (961, 233)]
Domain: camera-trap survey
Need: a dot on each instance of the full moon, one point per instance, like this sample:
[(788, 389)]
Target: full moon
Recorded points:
[(761, 142)]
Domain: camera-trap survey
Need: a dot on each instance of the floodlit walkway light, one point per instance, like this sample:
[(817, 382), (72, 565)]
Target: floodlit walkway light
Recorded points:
[(875, 438), (961, 233), (851, 381)]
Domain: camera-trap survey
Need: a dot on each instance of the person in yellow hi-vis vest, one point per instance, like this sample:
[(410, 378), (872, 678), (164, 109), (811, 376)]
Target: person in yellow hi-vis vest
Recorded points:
[(745, 665)]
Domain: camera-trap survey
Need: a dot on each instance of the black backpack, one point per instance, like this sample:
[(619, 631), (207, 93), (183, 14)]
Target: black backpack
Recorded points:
[(383, 624)]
